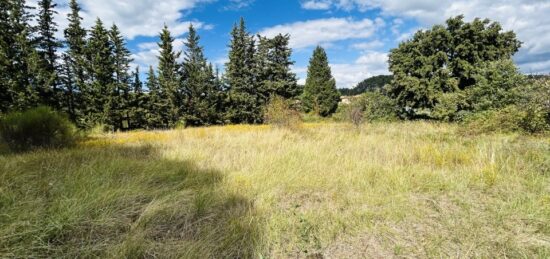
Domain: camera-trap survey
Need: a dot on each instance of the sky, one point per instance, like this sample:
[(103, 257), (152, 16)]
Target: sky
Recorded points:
[(357, 34)]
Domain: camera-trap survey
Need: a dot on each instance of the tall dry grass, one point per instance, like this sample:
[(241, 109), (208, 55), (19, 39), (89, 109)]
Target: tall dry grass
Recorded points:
[(412, 189)]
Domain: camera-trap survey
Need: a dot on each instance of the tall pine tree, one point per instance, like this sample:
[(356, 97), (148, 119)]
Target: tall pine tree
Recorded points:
[(200, 94), (74, 67), (120, 96), (274, 67), (101, 85), (169, 79), (48, 45), (156, 104), (138, 106), (23, 61), (244, 96), (320, 94)]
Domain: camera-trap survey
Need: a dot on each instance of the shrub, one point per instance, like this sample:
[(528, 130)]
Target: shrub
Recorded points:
[(535, 102), (280, 113), (36, 128), (507, 119), (379, 107)]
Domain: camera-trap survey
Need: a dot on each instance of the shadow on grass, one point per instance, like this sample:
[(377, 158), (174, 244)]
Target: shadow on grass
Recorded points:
[(120, 202)]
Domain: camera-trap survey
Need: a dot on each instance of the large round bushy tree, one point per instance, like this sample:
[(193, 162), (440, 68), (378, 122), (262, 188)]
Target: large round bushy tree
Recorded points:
[(445, 59)]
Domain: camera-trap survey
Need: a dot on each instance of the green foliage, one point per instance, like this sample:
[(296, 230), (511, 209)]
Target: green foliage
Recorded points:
[(36, 128), (120, 93), (378, 107), (508, 119), (281, 113), (368, 85), (498, 84), (48, 45), (320, 95), (245, 102), (445, 59), (169, 79), (274, 67), (200, 91)]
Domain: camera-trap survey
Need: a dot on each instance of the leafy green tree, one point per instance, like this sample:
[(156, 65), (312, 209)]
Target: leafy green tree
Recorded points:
[(445, 59), (200, 94), (169, 79), (244, 96), (101, 65), (120, 96), (320, 94), (48, 45), (74, 76)]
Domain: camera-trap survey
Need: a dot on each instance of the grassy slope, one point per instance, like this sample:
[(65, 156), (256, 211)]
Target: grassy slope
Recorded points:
[(391, 190)]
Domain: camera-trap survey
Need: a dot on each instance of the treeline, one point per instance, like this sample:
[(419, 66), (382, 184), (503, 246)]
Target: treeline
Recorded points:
[(370, 84), (91, 79)]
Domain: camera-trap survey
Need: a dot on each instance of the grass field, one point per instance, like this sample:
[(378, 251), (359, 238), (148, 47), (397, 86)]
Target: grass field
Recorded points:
[(413, 189)]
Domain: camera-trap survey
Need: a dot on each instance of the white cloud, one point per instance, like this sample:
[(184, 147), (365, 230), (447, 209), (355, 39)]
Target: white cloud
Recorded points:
[(238, 4), (148, 53), (316, 4), (323, 31), (367, 65), (133, 17), (349, 75), (528, 18), (368, 45)]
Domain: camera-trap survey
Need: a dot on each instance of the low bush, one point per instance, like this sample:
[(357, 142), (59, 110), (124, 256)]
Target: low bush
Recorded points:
[(36, 128), (379, 107), (280, 113)]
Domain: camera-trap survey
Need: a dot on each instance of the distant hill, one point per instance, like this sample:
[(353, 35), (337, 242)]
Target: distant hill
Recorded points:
[(369, 84)]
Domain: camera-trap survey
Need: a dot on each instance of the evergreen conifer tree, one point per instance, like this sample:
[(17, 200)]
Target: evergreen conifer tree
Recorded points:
[(121, 102), (156, 103), (168, 79), (101, 65), (274, 67), (320, 93), (138, 105), (244, 96), (199, 86), (74, 66), (47, 49)]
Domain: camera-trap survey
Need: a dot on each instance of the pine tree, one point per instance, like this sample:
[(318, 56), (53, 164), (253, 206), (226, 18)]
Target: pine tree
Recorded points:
[(22, 58), (5, 63), (199, 89), (156, 103), (138, 106), (274, 67), (138, 103), (120, 96), (320, 94), (74, 67), (101, 86), (168, 79), (244, 96), (47, 49)]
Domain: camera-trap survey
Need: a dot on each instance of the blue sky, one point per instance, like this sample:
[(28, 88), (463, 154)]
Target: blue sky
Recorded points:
[(357, 34)]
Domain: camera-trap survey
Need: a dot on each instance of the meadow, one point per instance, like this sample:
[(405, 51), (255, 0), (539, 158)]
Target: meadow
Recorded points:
[(323, 190)]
